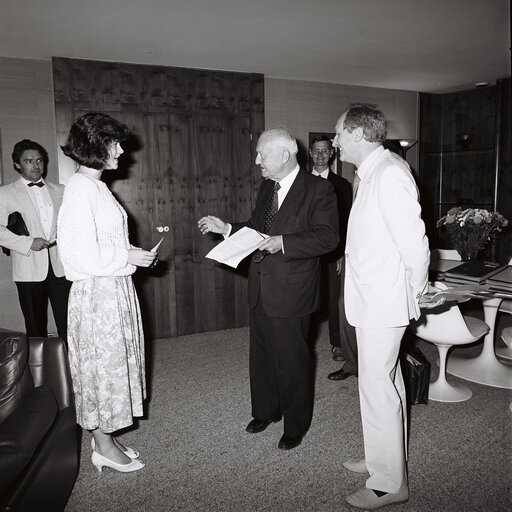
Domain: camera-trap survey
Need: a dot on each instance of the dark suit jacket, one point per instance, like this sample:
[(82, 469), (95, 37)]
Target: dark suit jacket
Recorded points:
[(288, 283), (343, 190)]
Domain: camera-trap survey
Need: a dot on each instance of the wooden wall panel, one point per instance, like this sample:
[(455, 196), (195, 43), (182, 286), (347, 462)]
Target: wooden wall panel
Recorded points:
[(191, 153), (504, 168), (26, 112), (465, 140), (468, 179), (305, 107), (243, 186), (184, 173), (472, 113)]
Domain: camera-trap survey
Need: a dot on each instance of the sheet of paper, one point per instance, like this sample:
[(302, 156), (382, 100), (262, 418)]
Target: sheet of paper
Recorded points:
[(157, 245), (462, 293), (236, 247)]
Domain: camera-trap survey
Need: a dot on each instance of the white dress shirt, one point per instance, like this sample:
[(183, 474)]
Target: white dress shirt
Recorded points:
[(43, 204), (285, 184), (322, 174)]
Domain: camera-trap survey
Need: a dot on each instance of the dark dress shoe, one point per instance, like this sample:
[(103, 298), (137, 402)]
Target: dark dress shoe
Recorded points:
[(256, 426), (340, 375), (289, 442)]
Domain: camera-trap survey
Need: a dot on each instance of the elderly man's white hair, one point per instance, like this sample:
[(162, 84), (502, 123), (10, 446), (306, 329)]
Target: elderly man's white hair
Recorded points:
[(282, 138)]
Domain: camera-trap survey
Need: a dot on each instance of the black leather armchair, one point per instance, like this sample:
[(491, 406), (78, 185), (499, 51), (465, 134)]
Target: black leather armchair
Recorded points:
[(38, 434)]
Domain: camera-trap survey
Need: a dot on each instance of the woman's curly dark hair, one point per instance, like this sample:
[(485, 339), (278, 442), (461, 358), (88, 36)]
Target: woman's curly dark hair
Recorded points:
[(90, 136)]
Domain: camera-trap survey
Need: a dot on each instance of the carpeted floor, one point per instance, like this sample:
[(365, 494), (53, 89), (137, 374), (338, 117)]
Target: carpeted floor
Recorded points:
[(199, 457)]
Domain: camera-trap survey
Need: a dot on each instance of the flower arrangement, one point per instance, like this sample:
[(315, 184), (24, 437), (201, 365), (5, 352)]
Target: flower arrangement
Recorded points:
[(469, 229)]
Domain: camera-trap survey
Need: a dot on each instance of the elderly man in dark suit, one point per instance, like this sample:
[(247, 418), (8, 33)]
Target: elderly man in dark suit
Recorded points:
[(299, 213)]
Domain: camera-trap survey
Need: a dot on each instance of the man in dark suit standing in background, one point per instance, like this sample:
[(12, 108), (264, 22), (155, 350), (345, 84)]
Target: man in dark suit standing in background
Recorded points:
[(36, 266), (341, 334), (299, 212)]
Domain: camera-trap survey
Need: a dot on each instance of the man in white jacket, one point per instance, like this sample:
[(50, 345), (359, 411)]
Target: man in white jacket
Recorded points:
[(387, 258), (36, 266)]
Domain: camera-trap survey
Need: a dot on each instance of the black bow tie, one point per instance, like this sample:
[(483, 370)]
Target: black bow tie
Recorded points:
[(38, 184)]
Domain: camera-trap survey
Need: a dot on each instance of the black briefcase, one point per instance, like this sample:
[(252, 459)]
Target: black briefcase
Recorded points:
[(16, 224), (416, 373)]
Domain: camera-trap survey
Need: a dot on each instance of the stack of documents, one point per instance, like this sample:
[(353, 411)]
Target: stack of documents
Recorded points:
[(502, 281), (472, 272), (437, 269)]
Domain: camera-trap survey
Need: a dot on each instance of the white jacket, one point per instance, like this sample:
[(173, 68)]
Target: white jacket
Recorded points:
[(28, 265), (386, 254)]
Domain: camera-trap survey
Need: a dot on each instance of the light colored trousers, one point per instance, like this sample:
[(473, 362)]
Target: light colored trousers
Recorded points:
[(383, 407)]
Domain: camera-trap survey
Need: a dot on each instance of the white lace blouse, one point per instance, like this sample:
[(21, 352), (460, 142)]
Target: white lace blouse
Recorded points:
[(92, 231)]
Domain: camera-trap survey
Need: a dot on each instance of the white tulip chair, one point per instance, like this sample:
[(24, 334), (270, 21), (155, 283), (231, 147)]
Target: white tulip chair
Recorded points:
[(445, 326)]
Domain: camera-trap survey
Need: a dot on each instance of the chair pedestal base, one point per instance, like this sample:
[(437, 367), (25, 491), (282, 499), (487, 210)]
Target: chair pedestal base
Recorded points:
[(440, 391), (484, 369)]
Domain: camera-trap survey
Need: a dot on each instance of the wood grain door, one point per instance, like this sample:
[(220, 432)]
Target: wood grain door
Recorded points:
[(190, 153)]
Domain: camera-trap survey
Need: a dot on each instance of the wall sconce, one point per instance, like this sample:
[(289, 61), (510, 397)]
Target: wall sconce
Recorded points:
[(464, 139), (400, 146)]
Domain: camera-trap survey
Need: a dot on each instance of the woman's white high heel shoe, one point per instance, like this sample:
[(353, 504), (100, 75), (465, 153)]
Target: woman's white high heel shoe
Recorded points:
[(129, 452), (100, 462)]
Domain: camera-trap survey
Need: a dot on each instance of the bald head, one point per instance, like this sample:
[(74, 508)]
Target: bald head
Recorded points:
[(280, 138), (276, 153)]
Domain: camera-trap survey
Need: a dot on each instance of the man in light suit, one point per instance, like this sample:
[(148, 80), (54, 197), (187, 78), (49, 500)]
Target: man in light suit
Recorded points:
[(299, 213), (36, 267), (387, 258)]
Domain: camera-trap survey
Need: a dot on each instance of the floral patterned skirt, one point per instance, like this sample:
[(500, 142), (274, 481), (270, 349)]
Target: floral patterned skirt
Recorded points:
[(106, 352)]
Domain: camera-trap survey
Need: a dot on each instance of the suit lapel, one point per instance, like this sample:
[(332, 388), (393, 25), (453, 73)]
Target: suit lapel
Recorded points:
[(294, 197), (24, 200)]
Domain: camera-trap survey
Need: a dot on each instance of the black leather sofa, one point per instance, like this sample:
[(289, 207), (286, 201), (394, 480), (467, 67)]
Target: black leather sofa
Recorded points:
[(38, 433)]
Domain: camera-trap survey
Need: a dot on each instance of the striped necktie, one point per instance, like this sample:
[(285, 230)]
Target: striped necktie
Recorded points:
[(271, 209)]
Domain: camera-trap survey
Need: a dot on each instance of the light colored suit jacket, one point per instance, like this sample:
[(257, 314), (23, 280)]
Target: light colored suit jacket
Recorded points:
[(386, 254), (28, 265)]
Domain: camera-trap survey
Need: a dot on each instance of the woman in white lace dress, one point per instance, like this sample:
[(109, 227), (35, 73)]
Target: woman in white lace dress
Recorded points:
[(105, 338)]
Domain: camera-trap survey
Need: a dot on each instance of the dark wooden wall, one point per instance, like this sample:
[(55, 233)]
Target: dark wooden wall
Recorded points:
[(504, 167), (192, 153), (461, 161)]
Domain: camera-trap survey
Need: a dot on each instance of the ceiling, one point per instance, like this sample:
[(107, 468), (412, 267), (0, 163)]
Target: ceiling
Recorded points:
[(418, 45)]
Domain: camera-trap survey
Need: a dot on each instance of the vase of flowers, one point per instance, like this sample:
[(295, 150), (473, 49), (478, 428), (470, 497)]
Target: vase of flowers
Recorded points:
[(469, 229)]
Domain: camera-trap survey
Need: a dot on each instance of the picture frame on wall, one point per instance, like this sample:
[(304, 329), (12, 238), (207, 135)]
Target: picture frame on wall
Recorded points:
[(335, 163)]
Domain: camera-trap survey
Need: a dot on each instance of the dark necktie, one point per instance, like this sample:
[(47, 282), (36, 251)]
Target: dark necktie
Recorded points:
[(271, 209), (38, 184), (270, 213)]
